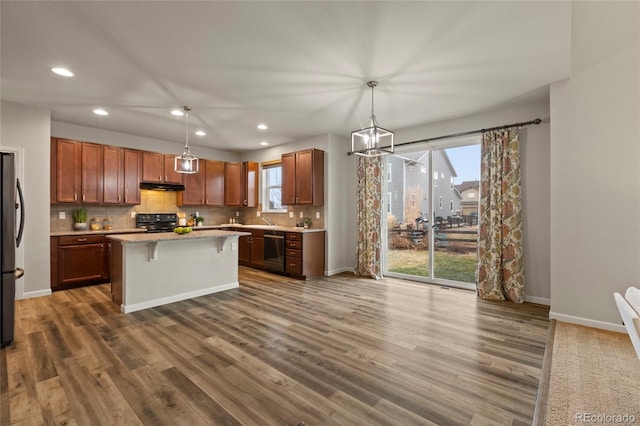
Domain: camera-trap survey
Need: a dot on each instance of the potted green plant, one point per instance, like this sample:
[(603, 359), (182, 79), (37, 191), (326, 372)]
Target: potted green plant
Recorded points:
[(80, 219), (307, 222), (199, 221)]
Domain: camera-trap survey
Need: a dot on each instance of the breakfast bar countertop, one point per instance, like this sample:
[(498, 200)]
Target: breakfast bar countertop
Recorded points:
[(264, 227), (154, 237)]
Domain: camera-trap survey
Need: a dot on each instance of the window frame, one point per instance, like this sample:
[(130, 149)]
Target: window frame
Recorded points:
[(265, 187)]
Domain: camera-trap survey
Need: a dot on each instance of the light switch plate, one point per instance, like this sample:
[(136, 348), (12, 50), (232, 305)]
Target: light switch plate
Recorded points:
[(300, 215), (237, 214), (133, 214), (62, 215), (258, 213), (317, 215), (291, 214)]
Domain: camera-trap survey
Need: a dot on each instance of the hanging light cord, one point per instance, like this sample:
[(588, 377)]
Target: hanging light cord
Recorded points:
[(186, 125), (372, 84)]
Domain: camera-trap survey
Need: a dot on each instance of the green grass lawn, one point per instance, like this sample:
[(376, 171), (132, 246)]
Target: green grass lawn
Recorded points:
[(450, 266)]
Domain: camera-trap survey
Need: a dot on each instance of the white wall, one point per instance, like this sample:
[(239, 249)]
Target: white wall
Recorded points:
[(27, 129), (595, 173), (535, 162), (106, 137)]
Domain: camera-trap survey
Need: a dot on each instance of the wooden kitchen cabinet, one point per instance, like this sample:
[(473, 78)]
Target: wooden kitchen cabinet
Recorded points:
[(78, 261), (214, 183), (159, 168), (303, 177), (241, 184), (205, 187), (251, 248), (304, 254), (77, 172), (121, 176)]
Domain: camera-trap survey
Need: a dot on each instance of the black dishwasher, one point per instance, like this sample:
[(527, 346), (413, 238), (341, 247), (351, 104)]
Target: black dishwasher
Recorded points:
[(274, 250)]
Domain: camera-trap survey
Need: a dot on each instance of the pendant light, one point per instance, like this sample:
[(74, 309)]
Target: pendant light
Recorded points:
[(372, 141), (186, 163)]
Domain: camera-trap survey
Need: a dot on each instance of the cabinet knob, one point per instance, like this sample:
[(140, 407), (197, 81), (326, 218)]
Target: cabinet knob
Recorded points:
[(75, 197), (118, 198), (81, 240), (83, 197)]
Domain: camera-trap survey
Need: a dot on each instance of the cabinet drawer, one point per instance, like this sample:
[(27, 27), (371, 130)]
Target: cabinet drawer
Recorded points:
[(296, 245), (80, 239), (297, 254), (294, 266), (294, 236)]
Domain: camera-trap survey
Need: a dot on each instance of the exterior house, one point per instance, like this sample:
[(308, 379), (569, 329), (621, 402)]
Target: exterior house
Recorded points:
[(470, 192), (407, 179)]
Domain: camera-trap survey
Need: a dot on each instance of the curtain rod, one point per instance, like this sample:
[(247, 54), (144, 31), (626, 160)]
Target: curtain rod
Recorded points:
[(471, 132)]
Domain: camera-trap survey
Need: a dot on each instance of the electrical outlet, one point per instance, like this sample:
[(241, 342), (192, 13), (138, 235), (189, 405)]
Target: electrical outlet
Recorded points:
[(62, 215), (237, 214), (300, 215), (291, 214), (317, 215), (197, 214), (258, 213), (133, 214)]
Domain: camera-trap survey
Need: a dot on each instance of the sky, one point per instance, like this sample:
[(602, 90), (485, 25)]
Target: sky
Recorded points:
[(466, 161)]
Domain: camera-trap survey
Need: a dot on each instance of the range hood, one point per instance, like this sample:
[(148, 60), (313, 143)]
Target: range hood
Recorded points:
[(155, 186)]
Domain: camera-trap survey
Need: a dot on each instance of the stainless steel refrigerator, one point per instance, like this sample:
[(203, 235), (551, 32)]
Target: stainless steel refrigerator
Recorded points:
[(11, 200)]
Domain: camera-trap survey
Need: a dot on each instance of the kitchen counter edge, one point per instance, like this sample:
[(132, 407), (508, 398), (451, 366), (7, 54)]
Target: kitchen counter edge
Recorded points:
[(98, 232), (261, 227)]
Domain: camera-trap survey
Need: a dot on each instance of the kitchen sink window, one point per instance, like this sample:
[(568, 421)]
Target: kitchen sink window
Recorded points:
[(272, 188)]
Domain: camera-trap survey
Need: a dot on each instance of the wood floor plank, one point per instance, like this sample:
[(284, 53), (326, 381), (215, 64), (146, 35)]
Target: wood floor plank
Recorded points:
[(276, 351)]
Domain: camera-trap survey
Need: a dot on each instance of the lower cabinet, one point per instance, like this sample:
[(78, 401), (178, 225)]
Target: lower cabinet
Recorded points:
[(78, 261), (304, 254), (251, 248)]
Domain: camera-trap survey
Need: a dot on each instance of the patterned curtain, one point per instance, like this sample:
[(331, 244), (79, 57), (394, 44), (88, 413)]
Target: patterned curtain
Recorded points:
[(368, 252), (500, 257)]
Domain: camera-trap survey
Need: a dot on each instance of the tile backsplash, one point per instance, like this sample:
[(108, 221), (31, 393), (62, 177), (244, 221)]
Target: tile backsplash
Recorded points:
[(165, 202)]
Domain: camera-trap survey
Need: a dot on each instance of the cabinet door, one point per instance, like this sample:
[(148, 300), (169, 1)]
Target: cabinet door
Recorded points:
[(214, 185), (78, 263), (304, 177), (132, 174), (244, 250), (289, 178), (112, 160), (68, 170), (91, 173), (193, 194), (170, 174), (257, 251), (233, 184), (152, 167), (250, 184)]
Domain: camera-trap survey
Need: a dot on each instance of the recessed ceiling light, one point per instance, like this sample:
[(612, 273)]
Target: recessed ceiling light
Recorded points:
[(262, 126), (200, 133), (62, 71), (264, 143), (177, 113), (100, 111)]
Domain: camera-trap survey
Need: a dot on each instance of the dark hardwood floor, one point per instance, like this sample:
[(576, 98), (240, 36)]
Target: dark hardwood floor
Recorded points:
[(334, 350)]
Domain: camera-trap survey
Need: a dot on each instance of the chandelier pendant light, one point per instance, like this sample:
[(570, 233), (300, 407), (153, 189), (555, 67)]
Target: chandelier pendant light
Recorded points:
[(186, 163), (372, 141)]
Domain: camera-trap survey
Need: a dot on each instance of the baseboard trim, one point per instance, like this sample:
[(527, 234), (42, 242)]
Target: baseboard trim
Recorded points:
[(126, 309), (587, 322), (539, 300), (338, 271), (39, 293)]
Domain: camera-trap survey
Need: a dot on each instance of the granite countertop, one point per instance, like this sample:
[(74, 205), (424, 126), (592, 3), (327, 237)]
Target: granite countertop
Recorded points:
[(154, 237), (265, 227), (98, 232)]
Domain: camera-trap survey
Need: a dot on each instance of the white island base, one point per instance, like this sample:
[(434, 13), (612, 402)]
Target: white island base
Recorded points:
[(150, 270)]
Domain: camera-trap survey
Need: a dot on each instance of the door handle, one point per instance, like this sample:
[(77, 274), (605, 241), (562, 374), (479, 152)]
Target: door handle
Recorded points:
[(21, 229)]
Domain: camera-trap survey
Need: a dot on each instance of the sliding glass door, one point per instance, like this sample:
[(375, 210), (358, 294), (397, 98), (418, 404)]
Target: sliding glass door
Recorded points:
[(432, 196)]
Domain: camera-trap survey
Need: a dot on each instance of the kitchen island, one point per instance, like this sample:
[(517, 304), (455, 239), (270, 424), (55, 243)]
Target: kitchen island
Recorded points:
[(153, 269)]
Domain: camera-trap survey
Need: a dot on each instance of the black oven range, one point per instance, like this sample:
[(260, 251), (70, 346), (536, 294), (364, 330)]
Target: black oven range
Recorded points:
[(157, 222)]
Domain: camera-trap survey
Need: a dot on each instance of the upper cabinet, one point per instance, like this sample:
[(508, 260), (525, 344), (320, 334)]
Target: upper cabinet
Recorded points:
[(76, 172), (214, 185), (122, 169), (194, 188), (159, 168), (241, 184), (303, 177)]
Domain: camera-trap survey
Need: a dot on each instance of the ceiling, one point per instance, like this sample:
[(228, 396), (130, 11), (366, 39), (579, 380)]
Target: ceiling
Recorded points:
[(300, 67)]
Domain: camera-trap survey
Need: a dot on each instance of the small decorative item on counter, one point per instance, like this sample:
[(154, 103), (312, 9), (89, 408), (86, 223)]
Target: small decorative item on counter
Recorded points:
[(199, 221), (107, 224), (182, 219), (94, 224), (80, 219), (307, 222)]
